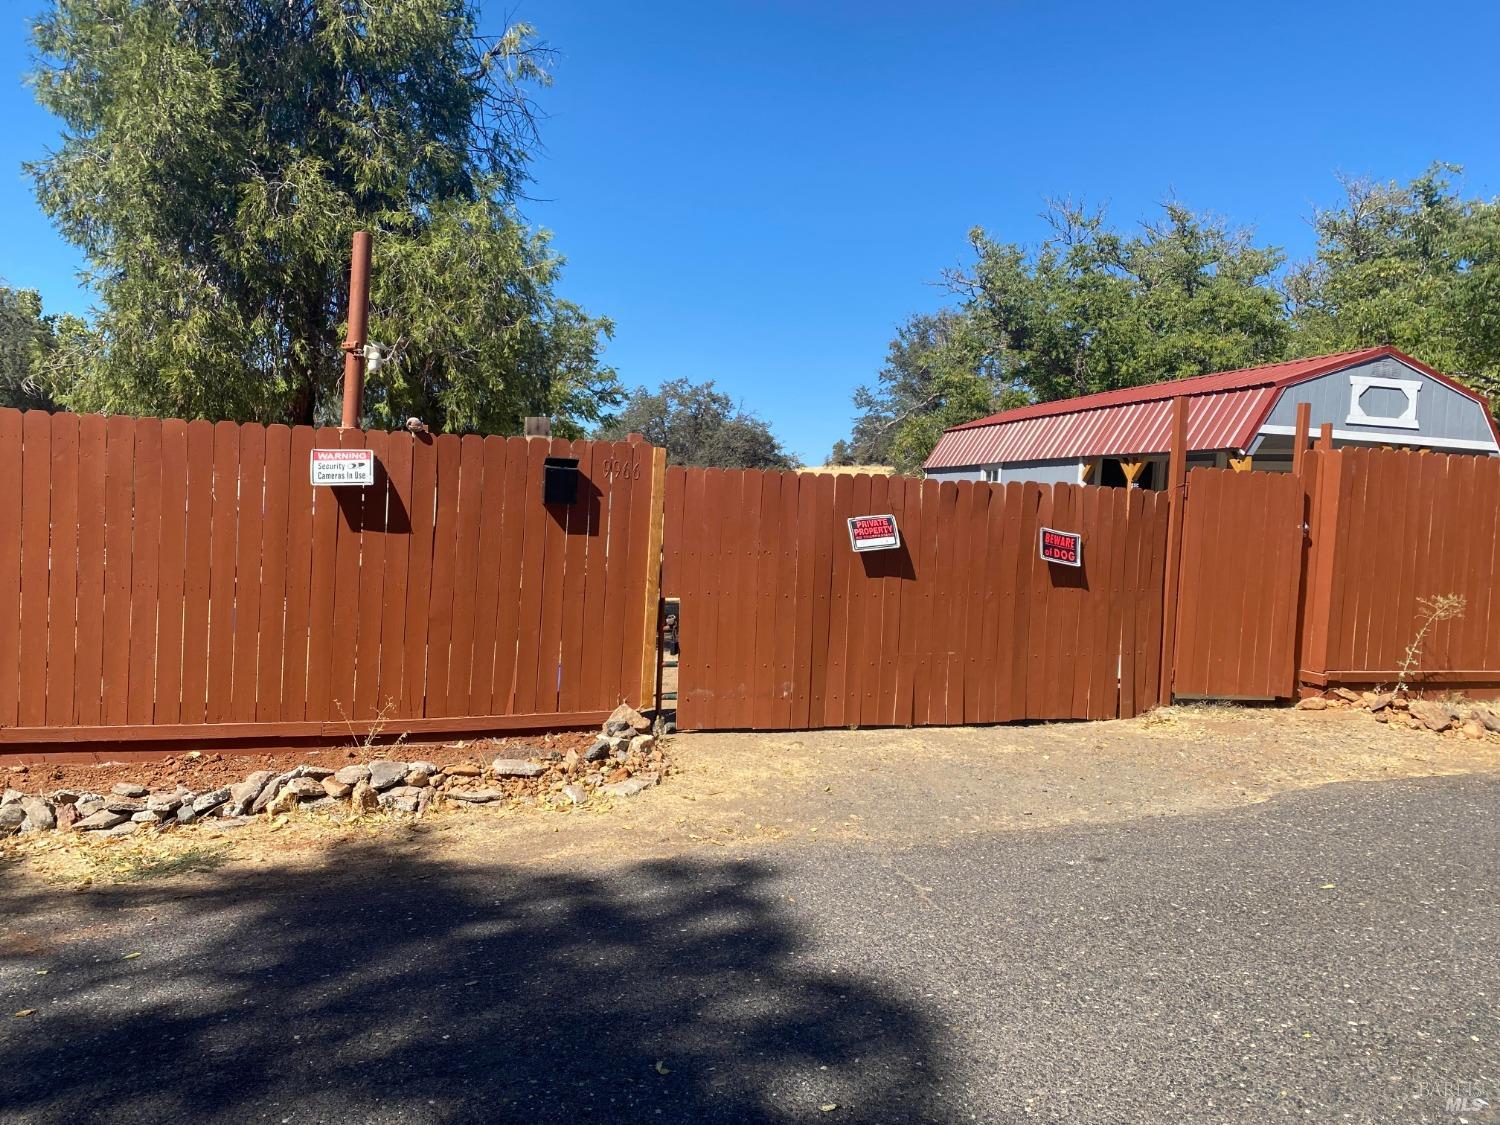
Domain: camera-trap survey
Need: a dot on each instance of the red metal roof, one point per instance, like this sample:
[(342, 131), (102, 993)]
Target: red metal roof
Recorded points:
[(1228, 408)]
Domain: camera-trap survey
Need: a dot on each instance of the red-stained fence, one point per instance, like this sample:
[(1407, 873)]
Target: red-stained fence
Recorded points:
[(185, 580), (784, 627)]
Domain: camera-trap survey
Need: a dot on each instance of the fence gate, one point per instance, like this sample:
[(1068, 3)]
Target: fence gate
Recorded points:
[(784, 627), (1242, 540)]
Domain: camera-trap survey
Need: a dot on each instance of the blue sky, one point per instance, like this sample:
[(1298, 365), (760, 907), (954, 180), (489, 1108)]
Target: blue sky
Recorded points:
[(759, 192)]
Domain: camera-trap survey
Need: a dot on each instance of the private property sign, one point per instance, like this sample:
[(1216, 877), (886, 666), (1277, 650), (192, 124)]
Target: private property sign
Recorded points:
[(874, 533), (1065, 547), (343, 466)]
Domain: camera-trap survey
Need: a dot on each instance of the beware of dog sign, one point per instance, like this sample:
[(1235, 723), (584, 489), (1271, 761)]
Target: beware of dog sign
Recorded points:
[(1065, 547)]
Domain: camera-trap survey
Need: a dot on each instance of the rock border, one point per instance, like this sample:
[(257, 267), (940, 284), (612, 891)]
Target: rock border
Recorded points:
[(625, 760)]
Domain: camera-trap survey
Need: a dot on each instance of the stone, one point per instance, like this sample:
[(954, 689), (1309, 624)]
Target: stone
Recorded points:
[(616, 727), (632, 718), (386, 774), (351, 775), (1486, 718), (125, 804), (516, 767), (304, 788), (1382, 716), (1381, 701), (242, 796), (163, 802), (1312, 703), (1436, 717), (337, 789), (11, 796), (11, 817), (128, 828), (570, 761), (627, 788), (146, 816), (418, 779), (65, 796), (597, 751), (401, 798), (475, 796), (185, 814), (1473, 729), (284, 801), (317, 773), (67, 815), (88, 804), (102, 819), (128, 789), (39, 815), (576, 794), (207, 802), (464, 769), (1348, 696), (642, 743), (364, 799), (422, 767)]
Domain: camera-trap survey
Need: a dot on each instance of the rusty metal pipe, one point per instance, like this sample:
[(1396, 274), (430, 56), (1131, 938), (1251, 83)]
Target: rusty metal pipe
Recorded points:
[(359, 316)]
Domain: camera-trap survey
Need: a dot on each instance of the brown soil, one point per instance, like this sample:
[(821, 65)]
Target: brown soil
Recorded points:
[(210, 771)]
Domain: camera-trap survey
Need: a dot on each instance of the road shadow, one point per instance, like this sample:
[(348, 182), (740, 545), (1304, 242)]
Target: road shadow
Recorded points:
[(389, 986)]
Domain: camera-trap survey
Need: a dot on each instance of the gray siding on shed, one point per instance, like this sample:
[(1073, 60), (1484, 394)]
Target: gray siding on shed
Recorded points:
[(971, 473), (1443, 415), (1035, 472)]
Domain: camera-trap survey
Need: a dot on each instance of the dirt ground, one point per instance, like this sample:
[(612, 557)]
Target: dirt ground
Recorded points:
[(746, 793)]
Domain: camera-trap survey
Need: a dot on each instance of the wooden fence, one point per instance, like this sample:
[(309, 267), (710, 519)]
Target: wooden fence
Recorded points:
[(185, 580), (1239, 584), (175, 580), (1388, 529), (783, 626)]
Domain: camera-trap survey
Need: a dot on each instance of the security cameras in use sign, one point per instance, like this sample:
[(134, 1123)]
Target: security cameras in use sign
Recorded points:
[(1065, 547), (873, 533), (343, 466)]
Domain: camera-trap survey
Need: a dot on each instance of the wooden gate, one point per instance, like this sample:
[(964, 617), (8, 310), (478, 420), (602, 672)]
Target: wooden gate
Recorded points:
[(784, 627), (1242, 541)]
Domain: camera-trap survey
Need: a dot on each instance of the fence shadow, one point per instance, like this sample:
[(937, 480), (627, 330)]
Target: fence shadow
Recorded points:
[(398, 987)]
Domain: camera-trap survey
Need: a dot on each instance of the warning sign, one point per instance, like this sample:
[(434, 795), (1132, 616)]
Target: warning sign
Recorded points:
[(1065, 547), (873, 533), (343, 466)]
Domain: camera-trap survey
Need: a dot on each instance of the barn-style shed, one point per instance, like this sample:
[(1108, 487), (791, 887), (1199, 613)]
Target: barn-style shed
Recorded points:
[(1242, 419)]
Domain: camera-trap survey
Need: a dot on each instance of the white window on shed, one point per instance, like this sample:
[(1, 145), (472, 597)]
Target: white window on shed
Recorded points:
[(992, 474)]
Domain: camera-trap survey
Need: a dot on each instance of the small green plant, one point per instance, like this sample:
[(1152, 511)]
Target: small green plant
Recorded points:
[(1431, 610)]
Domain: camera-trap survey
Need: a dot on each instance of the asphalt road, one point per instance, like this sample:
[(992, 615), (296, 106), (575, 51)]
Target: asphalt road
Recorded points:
[(1330, 956)]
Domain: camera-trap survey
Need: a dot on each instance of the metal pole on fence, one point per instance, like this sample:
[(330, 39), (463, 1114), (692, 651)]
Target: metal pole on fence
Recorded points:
[(359, 315)]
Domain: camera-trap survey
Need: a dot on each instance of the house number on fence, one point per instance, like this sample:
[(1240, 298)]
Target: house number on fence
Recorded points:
[(1065, 547), (343, 466), (620, 470)]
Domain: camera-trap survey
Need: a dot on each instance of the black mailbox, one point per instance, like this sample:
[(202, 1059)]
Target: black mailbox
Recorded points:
[(560, 480)]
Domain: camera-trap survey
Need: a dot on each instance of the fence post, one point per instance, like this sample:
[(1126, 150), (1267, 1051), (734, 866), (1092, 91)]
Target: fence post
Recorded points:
[(1176, 498), (1299, 439), (651, 640), (1325, 488)]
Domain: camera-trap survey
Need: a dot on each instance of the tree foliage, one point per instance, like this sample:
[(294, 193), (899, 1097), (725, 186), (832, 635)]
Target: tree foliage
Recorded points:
[(1092, 309), (218, 154), (29, 348), (698, 425), (940, 371), (1413, 265)]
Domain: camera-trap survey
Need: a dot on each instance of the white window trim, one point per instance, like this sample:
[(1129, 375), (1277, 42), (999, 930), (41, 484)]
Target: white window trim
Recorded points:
[(1487, 446), (1406, 420)]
